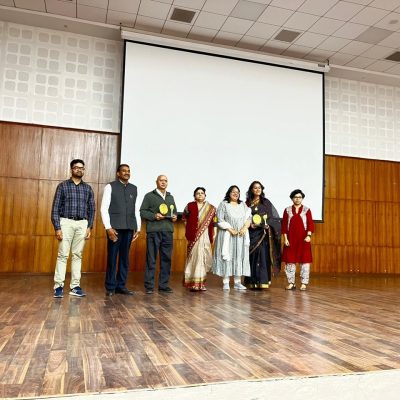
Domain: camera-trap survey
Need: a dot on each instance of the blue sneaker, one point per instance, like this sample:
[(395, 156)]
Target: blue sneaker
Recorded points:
[(58, 293), (77, 291)]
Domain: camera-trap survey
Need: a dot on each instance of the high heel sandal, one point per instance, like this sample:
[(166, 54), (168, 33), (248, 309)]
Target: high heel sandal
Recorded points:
[(303, 287), (291, 286)]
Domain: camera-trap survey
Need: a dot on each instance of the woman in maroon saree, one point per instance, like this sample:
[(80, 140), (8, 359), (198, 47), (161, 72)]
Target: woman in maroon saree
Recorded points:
[(199, 218)]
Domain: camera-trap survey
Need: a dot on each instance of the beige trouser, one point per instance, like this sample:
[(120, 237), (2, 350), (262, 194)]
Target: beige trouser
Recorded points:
[(74, 233), (304, 273)]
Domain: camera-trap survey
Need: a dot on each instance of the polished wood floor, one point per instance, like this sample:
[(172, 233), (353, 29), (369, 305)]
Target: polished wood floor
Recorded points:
[(52, 346)]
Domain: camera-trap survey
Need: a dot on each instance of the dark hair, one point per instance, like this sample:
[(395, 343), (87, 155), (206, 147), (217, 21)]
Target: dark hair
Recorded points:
[(227, 195), (199, 188), (250, 194), (122, 165), (297, 191), (76, 161)]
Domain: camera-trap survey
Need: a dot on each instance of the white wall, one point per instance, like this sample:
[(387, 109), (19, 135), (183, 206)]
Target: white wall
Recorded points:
[(57, 78), (362, 119)]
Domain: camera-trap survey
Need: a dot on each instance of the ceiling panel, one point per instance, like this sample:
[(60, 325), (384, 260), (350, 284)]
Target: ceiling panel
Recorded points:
[(275, 16), (344, 10), (91, 13), (369, 16), (297, 51), (353, 33), (340, 58), (154, 9), (67, 9), (227, 38), (236, 25), (251, 43), (129, 6), (34, 5), (334, 44), (317, 7), (301, 21), (326, 26), (350, 30), (202, 34), (248, 10), (289, 4), (263, 31), (121, 18), (310, 39), (223, 7), (196, 4), (386, 4), (210, 20)]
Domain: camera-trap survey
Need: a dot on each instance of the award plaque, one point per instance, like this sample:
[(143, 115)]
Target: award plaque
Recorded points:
[(163, 209), (256, 219)]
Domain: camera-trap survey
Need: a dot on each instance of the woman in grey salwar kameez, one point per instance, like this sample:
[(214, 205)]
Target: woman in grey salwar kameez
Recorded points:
[(231, 253)]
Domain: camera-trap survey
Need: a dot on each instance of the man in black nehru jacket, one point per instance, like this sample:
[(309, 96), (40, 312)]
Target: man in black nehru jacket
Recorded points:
[(119, 219)]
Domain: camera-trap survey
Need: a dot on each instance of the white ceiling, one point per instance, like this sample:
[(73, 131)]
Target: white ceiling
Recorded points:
[(355, 36)]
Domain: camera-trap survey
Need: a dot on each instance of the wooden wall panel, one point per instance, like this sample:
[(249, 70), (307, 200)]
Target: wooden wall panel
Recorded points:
[(18, 205), (108, 161), (7, 249), (6, 202), (331, 178), (98, 231), (24, 250), (396, 257), (45, 255), (138, 253), (329, 228), (367, 217), (45, 200), (396, 226), (344, 176), (20, 150), (324, 259), (343, 261), (33, 161), (361, 198), (60, 146), (360, 233), (386, 186), (95, 255)]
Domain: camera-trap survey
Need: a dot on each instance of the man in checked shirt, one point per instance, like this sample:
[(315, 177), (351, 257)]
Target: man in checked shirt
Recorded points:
[(72, 216)]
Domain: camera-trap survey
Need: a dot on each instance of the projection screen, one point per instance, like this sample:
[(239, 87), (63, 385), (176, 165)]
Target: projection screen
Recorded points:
[(212, 121)]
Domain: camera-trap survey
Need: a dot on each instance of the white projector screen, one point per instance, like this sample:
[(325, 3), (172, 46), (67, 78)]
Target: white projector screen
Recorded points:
[(212, 121)]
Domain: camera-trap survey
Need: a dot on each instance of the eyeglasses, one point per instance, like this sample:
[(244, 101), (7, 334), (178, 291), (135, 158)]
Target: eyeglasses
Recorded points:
[(78, 168), (298, 197)]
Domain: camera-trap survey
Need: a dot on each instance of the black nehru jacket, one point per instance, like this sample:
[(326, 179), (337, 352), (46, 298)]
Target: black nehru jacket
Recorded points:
[(122, 206)]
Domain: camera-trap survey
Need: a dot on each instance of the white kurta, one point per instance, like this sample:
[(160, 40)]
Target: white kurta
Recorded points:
[(231, 253)]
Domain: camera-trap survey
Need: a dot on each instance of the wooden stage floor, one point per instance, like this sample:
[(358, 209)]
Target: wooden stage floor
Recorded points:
[(52, 346)]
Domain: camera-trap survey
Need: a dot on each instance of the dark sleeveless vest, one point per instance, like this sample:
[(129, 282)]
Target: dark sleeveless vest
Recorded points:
[(122, 206)]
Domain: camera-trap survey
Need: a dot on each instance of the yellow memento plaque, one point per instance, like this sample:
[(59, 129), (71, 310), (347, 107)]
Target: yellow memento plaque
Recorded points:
[(257, 219), (163, 209)]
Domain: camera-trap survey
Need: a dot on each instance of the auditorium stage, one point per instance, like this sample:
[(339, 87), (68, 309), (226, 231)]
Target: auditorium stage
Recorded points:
[(48, 347)]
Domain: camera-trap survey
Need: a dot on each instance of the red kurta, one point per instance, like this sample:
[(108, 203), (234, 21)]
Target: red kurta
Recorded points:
[(191, 215), (296, 227)]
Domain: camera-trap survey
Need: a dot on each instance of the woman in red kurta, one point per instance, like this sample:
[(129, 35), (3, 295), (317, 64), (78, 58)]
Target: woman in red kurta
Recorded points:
[(297, 228)]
